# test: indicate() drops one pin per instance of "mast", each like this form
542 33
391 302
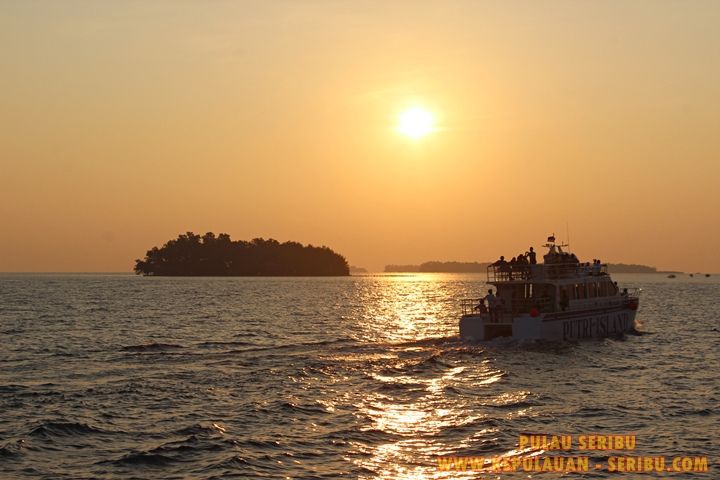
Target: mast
567 232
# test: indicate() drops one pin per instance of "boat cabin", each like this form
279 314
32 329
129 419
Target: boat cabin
560 283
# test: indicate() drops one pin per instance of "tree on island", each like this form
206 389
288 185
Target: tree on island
210 255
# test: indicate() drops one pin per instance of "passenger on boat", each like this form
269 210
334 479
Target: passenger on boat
597 267
480 307
530 255
502 266
492 303
523 266
512 266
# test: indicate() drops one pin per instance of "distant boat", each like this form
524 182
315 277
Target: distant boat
672 275
707 274
692 275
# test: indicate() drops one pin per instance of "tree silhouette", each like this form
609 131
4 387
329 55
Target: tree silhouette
192 255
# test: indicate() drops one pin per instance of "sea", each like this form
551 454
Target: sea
115 376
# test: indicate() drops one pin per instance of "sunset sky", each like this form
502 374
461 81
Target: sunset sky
123 124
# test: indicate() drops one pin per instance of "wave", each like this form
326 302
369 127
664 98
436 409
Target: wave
236 343
235 461
453 340
144 458
12 450
262 444
365 435
513 405
592 412
200 429
688 411
12 388
309 409
399 386
151 347
178 451
292 346
59 429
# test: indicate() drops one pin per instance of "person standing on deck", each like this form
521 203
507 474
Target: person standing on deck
492 304
523 266
532 258
512 267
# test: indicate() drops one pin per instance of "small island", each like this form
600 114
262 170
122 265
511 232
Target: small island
210 255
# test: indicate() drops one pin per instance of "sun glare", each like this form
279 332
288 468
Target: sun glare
415 122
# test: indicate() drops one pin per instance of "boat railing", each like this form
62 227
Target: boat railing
543 271
507 272
472 306
476 306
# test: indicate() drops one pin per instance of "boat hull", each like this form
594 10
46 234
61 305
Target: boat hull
558 326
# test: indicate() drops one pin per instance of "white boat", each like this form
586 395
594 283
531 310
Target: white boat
560 299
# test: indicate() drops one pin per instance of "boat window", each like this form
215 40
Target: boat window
579 290
592 290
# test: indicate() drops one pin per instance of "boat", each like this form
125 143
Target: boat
672 275
560 299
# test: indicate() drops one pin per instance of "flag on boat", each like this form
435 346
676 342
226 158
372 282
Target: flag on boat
551 238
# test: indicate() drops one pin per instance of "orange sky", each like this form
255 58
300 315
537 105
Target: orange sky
123 124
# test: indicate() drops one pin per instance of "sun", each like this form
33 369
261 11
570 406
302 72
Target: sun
415 122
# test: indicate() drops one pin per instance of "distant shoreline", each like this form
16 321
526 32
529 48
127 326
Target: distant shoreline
481 267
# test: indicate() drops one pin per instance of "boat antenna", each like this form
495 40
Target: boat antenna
567 232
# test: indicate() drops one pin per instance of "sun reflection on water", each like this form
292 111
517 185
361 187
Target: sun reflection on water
415 422
417 410
406 308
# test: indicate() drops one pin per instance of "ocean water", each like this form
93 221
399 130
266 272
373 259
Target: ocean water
117 376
